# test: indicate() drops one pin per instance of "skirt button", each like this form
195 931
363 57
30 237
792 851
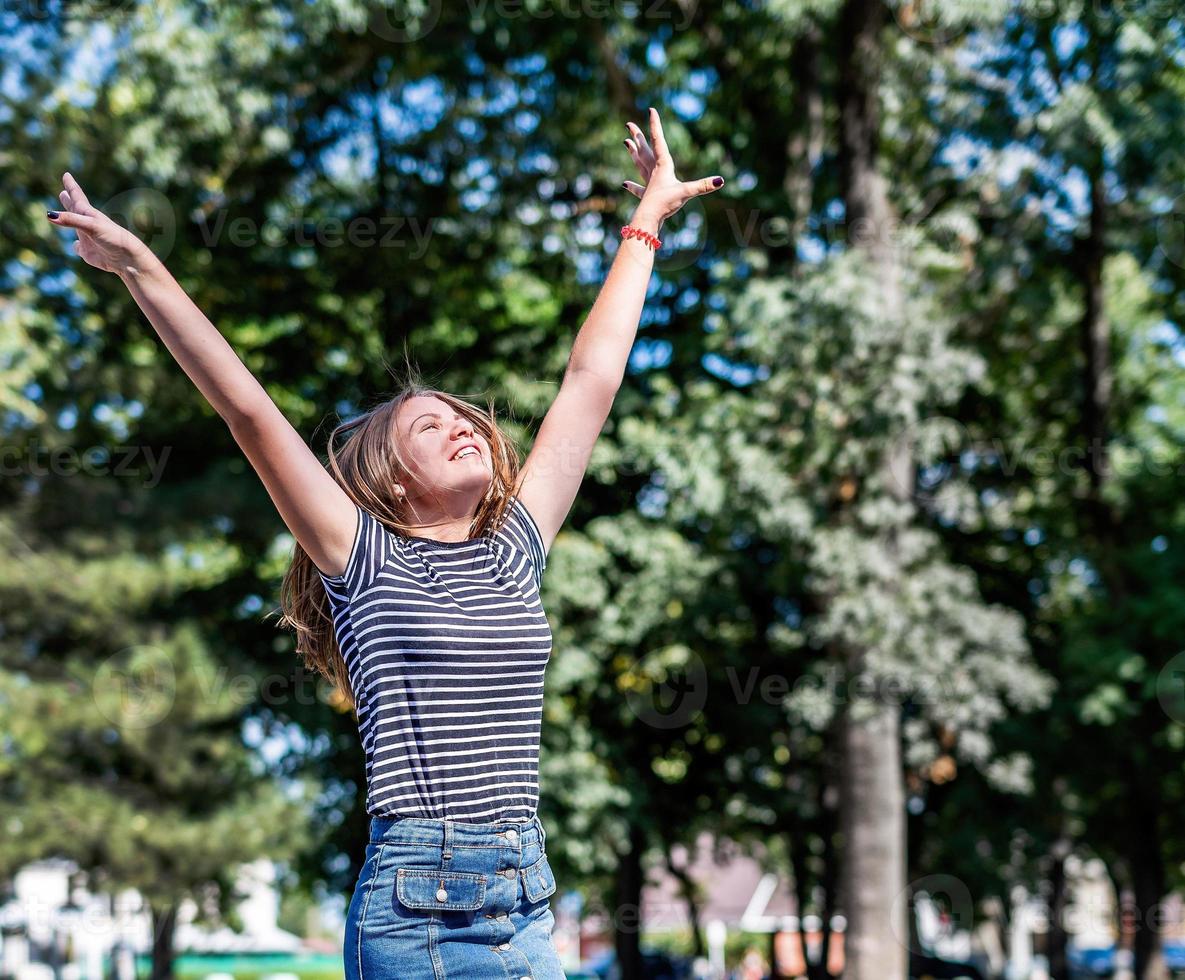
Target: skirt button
512 836
510 872
504 947
441 895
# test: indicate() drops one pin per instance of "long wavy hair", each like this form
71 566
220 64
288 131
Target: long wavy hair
367 464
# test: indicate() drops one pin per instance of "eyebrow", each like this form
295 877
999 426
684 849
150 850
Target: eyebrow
424 415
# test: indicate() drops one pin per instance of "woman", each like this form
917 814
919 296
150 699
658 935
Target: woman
415 589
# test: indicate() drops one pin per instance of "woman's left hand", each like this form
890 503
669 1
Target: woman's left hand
663 193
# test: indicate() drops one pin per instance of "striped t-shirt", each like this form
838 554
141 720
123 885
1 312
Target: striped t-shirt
446 643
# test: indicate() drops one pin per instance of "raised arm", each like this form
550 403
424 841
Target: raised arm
555 467
316 510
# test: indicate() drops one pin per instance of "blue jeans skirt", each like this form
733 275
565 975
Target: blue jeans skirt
445 900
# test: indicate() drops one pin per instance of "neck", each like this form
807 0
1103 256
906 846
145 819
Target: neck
442 519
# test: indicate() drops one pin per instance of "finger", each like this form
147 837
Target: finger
644 168
705 186
82 204
656 134
640 138
635 189
70 219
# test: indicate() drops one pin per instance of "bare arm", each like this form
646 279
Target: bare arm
555 466
320 515
563 446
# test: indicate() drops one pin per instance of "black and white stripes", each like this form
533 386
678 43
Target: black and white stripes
446 644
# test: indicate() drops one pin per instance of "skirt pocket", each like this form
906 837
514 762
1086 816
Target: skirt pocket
429 890
538 880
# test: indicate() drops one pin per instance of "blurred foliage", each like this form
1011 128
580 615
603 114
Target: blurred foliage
338 197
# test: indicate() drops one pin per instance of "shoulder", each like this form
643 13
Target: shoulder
373 546
520 530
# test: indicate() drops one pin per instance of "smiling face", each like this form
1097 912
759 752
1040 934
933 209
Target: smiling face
444 453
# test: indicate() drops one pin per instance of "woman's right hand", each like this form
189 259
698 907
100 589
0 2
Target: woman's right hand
101 242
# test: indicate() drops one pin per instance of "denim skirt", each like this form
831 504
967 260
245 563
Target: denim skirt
445 900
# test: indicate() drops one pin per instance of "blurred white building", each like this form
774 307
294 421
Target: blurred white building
52 921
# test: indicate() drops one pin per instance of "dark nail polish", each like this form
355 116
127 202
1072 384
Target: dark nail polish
717 181
52 214
626 144
625 186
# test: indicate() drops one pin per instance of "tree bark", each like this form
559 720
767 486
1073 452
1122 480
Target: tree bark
1144 853
823 826
689 888
1097 381
164 924
630 874
1148 886
621 90
1058 968
872 811
1098 375
872 817
804 145
818 970
829 793
866 201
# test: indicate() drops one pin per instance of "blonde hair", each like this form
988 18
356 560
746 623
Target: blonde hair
367 466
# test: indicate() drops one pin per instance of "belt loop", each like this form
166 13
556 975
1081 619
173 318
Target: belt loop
542 835
447 853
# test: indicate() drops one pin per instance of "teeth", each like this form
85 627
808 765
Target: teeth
467 451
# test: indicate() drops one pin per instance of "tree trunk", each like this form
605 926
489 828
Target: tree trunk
688 887
164 924
867 209
1097 384
1056 937
1148 886
798 849
872 812
1095 338
804 145
1145 856
622 93
629 906
873 821
828 828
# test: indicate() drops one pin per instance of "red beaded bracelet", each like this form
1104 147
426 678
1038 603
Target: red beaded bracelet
629 231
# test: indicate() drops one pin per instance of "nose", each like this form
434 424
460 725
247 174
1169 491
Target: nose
462 427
